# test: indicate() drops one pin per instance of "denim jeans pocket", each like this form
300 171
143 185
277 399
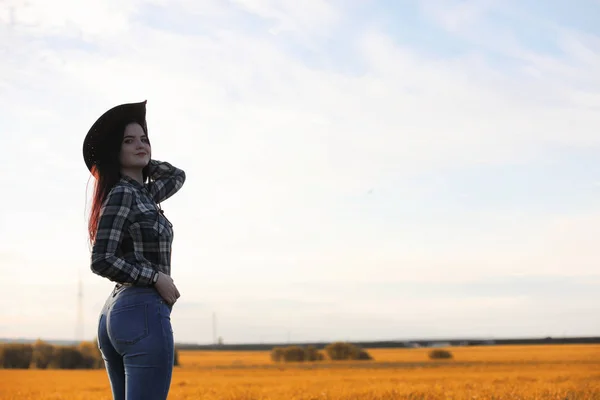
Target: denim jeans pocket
165 316
129 324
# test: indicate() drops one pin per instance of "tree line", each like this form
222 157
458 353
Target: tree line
335 351
43 355
86 355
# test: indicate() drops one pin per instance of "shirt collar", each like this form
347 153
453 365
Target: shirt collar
132 181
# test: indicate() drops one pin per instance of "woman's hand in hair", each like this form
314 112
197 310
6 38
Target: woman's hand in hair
166 288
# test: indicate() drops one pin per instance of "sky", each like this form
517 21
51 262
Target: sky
356 170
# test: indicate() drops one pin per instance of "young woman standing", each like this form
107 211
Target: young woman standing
131 241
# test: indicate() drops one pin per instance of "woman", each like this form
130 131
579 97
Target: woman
132 240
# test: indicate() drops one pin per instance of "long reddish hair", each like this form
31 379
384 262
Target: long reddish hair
105 181
107 172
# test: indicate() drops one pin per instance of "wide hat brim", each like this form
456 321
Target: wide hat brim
112 122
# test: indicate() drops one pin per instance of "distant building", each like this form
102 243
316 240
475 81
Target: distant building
439 344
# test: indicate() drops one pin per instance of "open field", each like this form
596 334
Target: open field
565 372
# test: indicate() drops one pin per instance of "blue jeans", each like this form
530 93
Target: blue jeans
135 338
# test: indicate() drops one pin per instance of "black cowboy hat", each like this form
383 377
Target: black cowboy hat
109 127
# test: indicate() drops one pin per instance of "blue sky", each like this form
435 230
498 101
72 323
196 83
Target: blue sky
356 170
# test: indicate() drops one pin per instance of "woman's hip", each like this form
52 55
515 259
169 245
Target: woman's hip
136 314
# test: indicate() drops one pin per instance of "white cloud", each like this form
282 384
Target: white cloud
67 17
289 15
455 15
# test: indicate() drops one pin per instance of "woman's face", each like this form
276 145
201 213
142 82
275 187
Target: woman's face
135 148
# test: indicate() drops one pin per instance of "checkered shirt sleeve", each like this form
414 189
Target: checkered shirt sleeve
166 180
115 218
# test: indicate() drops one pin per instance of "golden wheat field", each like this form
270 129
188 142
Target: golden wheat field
557 372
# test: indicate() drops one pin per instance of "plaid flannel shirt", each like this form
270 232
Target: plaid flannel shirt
133 240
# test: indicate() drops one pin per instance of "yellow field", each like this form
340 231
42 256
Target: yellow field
484 373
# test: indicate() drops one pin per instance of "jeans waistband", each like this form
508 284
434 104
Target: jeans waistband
125 293
123 290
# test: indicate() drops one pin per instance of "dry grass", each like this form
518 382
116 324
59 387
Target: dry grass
484 373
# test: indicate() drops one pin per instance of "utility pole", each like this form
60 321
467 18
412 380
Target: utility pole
80 322
214 325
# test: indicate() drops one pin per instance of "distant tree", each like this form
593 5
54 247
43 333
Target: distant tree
176 359
277 354
364 355
296 354
67 357
16 355
91 356
311 353
346 351
293 354
440 354
42 354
